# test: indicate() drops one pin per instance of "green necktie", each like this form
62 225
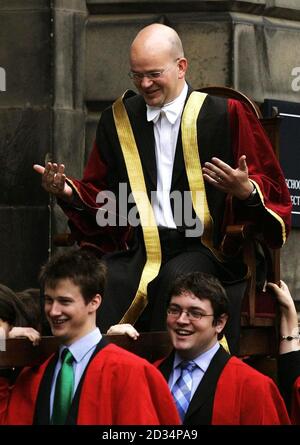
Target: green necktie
63 389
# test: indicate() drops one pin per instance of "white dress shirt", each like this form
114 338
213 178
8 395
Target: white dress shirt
82 351
166 121
202 362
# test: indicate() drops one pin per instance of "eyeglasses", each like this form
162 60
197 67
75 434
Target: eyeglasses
152 75
192 314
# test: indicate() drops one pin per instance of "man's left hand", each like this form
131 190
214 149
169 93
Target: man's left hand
227 179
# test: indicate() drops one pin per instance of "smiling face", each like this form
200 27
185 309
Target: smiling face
158 48
69 316
193 337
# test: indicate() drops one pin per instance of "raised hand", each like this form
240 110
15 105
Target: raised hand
54 180
289 331
282 294
227 179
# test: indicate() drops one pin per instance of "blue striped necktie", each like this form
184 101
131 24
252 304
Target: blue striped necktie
63 389
182 388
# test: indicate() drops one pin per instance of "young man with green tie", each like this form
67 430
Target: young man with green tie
88 382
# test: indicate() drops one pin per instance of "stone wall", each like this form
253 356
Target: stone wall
66 60
25 138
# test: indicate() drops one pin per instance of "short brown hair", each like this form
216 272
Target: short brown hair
205 287
80 266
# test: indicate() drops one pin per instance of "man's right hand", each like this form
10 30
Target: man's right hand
30 333
122 329
54 180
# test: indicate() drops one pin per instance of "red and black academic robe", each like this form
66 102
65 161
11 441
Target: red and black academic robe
118 388
227 129
232 393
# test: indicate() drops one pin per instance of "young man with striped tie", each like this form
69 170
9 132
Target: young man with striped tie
208 385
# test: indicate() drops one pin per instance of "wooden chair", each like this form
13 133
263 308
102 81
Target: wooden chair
19 352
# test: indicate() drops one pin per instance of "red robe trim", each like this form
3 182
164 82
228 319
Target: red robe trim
248 137
244 396
119 388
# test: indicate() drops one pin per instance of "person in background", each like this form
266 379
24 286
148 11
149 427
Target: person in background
289 350
153 203
19 318
87 382
33 300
